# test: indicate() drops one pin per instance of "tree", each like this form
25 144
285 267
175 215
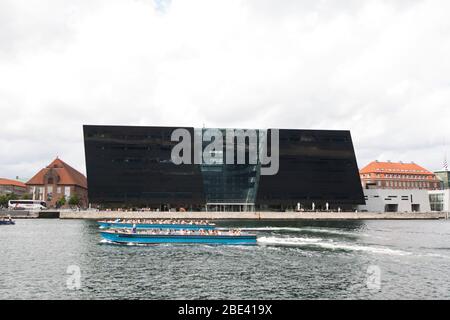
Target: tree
5 198
61 202
74 200
27 196
3 201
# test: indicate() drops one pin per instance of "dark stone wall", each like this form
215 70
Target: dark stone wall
130 166
315 166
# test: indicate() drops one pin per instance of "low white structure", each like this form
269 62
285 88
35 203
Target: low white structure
396 200
440 200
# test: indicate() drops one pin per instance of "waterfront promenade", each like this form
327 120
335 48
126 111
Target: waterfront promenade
258 215
251 215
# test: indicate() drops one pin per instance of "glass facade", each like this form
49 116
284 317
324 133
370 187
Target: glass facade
444 176
229 186
437 201
132 166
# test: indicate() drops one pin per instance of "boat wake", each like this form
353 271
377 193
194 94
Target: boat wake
328 244
311 230
105 241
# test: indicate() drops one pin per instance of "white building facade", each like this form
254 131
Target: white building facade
396 200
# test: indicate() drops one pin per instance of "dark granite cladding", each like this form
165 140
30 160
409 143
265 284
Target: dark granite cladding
130 166
315 166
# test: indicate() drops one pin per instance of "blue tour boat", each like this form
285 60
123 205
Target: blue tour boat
143 224
188 237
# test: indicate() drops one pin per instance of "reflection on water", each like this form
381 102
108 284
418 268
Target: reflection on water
293 260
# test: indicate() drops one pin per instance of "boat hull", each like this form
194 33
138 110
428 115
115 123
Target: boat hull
118 225
160 238
7 223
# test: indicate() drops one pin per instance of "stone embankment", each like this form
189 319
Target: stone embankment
97 215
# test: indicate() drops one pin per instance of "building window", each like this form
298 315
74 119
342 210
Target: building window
58 190
67 192
437 202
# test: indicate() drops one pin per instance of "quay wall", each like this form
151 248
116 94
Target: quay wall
97 215
19 214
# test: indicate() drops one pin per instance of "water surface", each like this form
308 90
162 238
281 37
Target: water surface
293 260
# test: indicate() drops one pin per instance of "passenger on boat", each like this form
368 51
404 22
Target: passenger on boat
134 229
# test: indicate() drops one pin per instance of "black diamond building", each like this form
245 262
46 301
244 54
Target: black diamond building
129 166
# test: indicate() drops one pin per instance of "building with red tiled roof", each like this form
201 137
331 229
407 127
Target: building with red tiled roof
397 175
58 180
8 186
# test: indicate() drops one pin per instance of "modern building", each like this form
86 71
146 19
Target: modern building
397 175
133 167
396 200
440 200
8 186
444 177
56 181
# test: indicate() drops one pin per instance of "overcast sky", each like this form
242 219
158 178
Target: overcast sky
378 68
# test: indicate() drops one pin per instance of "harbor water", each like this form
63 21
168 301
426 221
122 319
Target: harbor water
66 259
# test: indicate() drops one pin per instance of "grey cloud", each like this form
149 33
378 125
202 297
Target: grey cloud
378 68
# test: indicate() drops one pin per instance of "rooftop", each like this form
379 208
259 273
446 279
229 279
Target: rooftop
66 175
9 182
394 167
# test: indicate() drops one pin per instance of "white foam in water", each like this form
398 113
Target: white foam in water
333 231
437 255
272 229
317 230
105 241
328 245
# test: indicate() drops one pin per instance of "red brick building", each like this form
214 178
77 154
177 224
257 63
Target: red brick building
397 175
8 186
58 180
